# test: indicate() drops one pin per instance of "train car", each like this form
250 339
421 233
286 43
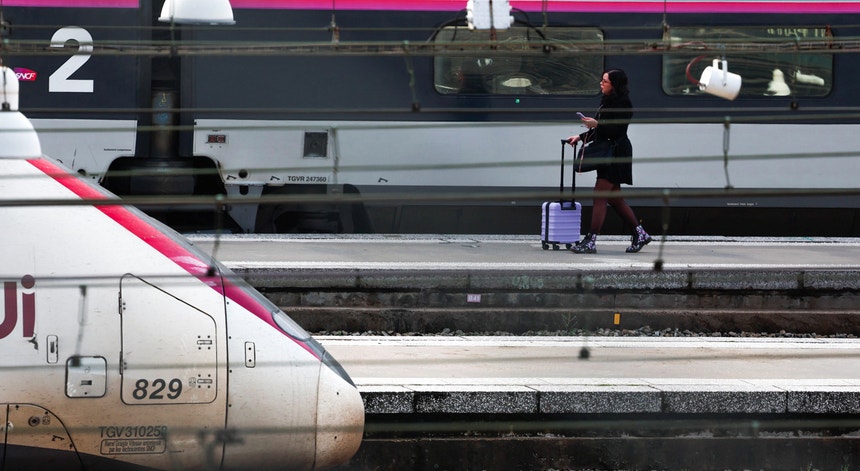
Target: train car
122 347
376 116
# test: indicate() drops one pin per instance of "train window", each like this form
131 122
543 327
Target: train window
528 74
289 326
783 72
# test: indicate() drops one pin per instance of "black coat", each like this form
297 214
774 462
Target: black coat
613 117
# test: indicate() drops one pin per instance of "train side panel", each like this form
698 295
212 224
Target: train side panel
303 127
378 125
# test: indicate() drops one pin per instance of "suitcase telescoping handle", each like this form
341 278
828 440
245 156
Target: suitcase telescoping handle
573 173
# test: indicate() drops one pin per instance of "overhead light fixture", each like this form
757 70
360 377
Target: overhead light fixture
8 89
718 81
489 14
18 138
777 86
211 12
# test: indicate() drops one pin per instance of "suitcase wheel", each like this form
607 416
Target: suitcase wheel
568 246
544 245
555 246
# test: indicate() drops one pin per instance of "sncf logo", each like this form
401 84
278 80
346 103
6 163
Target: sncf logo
25 75
10 304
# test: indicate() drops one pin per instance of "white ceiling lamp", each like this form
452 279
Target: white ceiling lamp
718 81
18 138
212 12
489 14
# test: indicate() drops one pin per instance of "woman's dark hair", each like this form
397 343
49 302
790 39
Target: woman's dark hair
618 79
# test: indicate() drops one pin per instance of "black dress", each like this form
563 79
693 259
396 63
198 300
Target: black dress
613 117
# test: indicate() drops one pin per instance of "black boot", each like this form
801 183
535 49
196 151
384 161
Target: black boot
586 245
640 239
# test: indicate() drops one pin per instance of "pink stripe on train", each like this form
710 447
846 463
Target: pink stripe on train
609 6
73 3
580 6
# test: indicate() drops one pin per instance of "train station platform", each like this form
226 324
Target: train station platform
510 284
640 375
799 286
419 252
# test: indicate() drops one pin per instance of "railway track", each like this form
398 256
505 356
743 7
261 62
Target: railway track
624 304
630 321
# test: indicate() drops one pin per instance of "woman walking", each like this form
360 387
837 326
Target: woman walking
611 123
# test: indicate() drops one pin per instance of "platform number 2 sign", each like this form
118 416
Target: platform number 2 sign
59 81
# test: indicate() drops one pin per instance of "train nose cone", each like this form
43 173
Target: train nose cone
340 420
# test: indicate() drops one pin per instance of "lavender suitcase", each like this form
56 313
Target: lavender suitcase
561 220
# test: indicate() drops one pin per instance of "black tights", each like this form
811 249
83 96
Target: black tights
598 214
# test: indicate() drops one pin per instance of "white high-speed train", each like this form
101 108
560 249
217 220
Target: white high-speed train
123 347
373 115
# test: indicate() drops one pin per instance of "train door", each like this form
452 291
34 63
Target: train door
170 357
168 348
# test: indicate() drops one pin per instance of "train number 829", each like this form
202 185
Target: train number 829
158 390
